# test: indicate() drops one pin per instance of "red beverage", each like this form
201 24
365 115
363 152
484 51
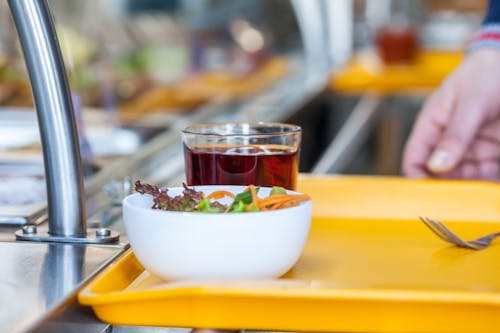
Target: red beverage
397 44
270 165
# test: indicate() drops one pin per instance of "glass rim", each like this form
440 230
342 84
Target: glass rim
290 128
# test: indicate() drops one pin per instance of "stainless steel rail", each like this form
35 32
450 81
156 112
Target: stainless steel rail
352 135
66 205
311 17
58 131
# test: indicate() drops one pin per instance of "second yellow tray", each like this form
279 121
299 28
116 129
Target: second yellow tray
387 273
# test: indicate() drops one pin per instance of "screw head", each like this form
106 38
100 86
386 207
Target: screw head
29 229
103 232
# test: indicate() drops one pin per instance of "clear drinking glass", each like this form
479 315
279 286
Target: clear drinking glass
242 153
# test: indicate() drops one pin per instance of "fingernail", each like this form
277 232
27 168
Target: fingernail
441 160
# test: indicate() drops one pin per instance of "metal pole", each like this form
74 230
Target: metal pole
311 18
61 152
351 136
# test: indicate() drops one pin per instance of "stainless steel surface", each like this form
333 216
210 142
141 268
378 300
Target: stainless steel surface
449 236
64 174
71 317
283 99
36 279
92 236
350 137
22 216
118 189
23 193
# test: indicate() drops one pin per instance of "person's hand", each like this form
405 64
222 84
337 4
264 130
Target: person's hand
457 133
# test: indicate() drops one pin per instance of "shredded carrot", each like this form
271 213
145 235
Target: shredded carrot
281 201
275 206
220 194
274 198
271 202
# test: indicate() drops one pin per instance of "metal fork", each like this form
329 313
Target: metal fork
449 236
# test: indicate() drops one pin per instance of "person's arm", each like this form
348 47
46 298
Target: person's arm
457 133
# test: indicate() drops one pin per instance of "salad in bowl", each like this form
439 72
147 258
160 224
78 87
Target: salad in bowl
217 231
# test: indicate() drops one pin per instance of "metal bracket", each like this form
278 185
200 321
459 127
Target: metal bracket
41 234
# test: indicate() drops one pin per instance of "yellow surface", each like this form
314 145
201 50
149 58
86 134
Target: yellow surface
373 267
366 72
394 198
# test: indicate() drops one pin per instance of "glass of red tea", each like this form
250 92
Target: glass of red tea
242 153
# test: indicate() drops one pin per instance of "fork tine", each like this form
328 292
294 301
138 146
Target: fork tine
450 236
433 228
443 232
450 233
453 237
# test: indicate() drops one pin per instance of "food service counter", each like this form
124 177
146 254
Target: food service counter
39 281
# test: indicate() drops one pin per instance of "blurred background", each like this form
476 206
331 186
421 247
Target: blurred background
353 73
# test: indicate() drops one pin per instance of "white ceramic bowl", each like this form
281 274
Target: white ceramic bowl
182 245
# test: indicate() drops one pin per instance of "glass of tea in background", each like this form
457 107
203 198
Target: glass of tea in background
397 43
239 153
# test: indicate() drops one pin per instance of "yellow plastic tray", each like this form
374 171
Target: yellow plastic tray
366 72
369 266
